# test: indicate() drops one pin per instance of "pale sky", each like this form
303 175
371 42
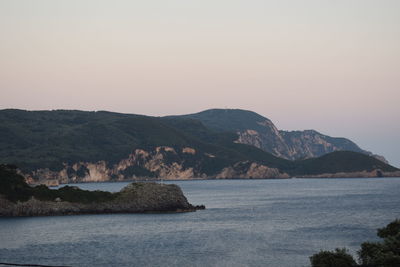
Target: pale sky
332 66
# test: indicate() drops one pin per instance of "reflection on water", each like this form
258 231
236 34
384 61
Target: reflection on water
246 223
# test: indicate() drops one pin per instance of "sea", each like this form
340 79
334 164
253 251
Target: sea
276 222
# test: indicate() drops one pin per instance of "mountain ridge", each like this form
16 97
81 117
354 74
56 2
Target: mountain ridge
259 131
74 146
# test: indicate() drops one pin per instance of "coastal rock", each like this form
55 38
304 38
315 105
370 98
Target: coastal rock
134 198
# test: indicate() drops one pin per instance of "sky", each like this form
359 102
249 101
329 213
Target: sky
332 66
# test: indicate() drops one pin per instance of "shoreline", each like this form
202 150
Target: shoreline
215 179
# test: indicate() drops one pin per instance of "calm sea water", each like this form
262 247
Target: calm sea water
246 223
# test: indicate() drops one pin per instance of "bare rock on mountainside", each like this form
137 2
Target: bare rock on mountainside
256 130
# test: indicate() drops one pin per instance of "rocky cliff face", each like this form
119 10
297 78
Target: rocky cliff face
267 138
296 145
161 163
311 144
291 145
256 130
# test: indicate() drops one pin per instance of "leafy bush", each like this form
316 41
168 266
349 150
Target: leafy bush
336 258
372 254
392 229
386 253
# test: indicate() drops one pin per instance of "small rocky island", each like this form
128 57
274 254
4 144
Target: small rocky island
17 198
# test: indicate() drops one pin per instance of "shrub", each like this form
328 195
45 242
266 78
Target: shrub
336 258
372 254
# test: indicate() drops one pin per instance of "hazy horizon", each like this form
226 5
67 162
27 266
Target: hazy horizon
331 66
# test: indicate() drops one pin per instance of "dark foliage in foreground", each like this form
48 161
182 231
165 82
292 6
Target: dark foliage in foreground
372 254
336 258
14 188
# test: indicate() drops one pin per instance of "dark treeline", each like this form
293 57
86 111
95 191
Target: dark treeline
385 253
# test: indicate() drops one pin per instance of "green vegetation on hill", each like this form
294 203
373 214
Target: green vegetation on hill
46 139
227 119
341 161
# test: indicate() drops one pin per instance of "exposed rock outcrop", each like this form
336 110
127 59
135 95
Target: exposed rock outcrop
256 130
296 145
268 139
189 150
140 164
160 163
165 163
247 170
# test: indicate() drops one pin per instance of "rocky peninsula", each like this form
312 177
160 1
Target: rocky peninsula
19 199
